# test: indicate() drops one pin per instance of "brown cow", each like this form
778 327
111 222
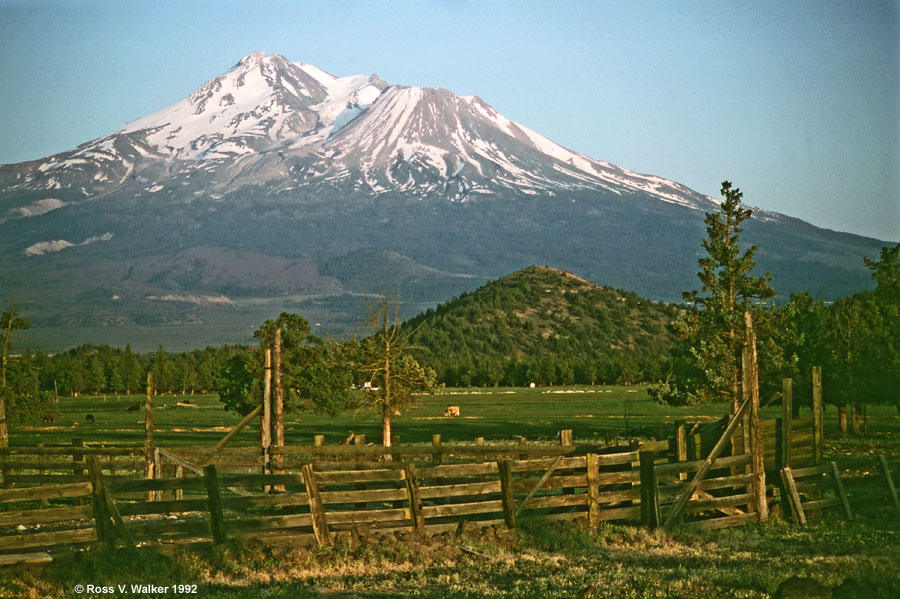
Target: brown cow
452 411
135 408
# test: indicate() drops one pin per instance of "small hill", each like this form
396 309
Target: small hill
544 325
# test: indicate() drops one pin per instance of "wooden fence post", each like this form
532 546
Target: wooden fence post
278 407
506 492
416 516
787 420
565 438
214 501
157 471
179 473
98 502
650 514
751 379
78 463
522 443
265 417
892 490
316 507
318 441
818 414
479 442
148 435
593 482
681 445
436 456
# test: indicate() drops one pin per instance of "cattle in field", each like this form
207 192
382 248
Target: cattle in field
90 418
452 411
135 408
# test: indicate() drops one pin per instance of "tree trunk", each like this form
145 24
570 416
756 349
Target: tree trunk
386 427
842 419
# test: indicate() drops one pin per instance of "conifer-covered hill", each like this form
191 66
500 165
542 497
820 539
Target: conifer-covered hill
544 325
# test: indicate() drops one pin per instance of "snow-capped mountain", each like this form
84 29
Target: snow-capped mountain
278 179
294 125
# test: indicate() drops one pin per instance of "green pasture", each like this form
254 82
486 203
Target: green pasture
496 414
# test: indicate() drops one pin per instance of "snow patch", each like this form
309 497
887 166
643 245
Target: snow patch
39 207
47 247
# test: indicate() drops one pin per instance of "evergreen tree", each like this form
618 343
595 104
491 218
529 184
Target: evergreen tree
713 330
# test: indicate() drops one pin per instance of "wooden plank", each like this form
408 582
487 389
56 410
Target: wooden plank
624 476
145 508
463 509
316 507
541 465
214 501
118 523
258 523
459 490
717 503
332 497
48 539
356 476
549 501
363 516
617 497
793 497
538 485
888 479
153 530
276 500
40 557
621 513
46 515
819 504
231 434
83 489
118 486
839 487
68 451
798 473
723 522
692 486
693 466
457 470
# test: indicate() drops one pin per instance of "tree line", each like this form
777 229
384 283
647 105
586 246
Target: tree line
856 339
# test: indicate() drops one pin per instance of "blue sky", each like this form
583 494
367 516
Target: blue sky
797 103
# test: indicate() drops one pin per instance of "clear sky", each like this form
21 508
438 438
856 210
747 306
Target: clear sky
797 103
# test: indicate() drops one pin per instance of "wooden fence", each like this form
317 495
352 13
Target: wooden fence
319 501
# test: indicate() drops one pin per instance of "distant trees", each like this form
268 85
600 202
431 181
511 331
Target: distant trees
316 375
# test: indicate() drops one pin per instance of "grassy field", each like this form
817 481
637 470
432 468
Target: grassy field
540 562
495 414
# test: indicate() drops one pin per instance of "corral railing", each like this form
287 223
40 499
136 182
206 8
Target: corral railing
319 501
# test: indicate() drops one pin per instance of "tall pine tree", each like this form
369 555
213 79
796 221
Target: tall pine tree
712 331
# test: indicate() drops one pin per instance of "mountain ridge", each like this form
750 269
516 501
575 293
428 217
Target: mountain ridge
288 162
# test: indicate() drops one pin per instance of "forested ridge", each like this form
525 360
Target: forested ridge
544 325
